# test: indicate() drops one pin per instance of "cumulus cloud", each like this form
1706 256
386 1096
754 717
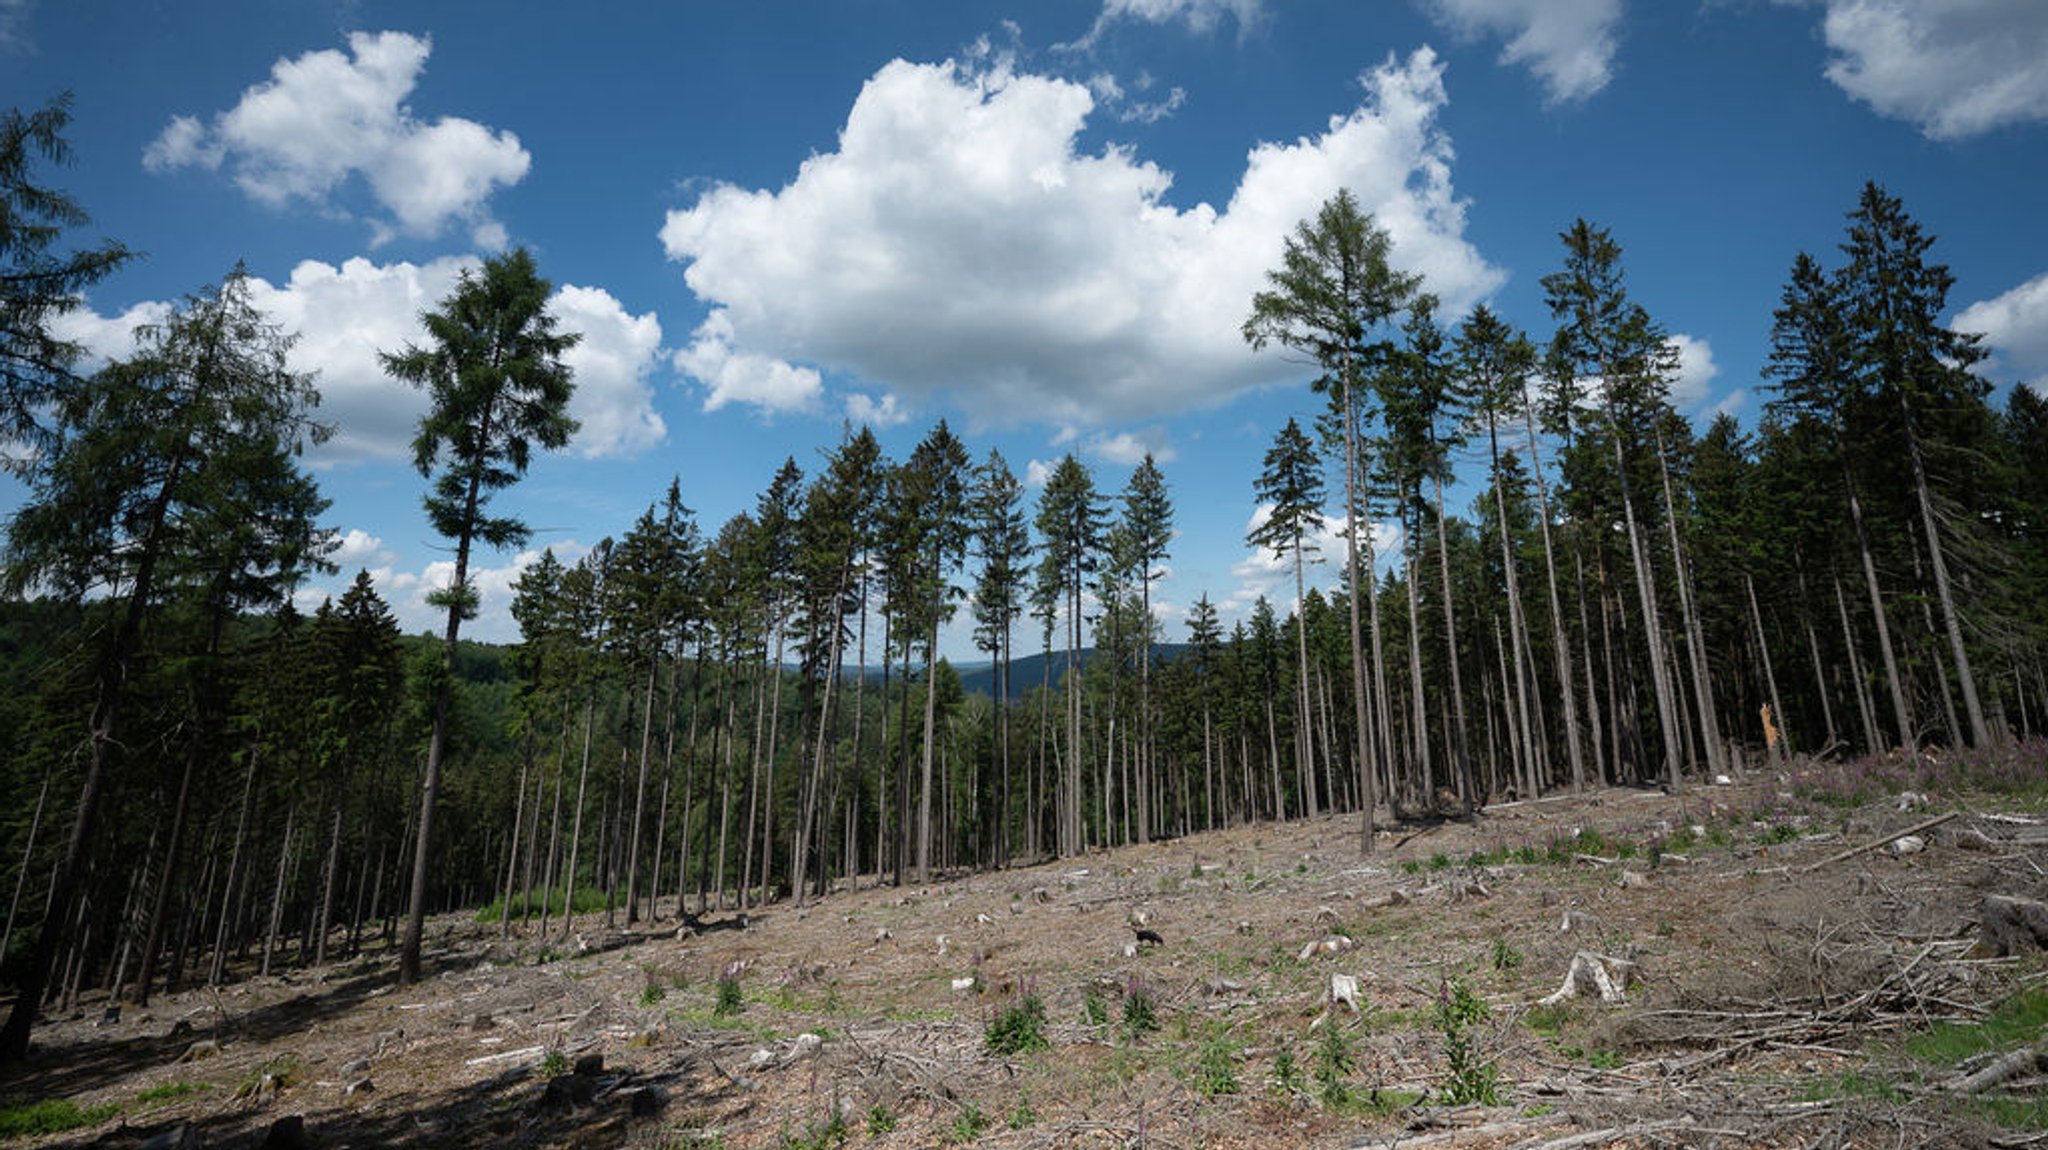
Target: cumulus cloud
958 243
357 549
406 591
2015 328
1956 68
614 400
346 315
327 116
1696 369
735 375
108 337
1568 44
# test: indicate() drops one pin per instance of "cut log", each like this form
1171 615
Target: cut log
2002 1069
2009 924
1591 973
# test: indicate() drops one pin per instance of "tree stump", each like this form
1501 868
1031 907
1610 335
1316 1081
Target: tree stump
2010 924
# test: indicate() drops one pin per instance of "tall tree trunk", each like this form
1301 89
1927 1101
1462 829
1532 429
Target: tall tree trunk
1460 759
640 787
1951 623
1909 735
1653 628
576 819
1304 741
1362 584
1695 637
1872 741
1774 748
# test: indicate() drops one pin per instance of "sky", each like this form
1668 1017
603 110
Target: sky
1040 221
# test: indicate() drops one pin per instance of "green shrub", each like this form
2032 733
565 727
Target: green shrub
1470 1079
1216 1064
1141 1014
1018 1027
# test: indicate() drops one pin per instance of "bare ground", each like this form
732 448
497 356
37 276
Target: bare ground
1774 987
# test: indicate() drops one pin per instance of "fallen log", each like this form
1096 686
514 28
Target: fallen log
1873 844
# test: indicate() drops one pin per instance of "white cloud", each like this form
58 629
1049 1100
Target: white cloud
406 591
1111 96
2015 329
1128 448
958 243
1955 67
346 315
326 116
734 375
614 401
359 549
107 338
1569 44
1696 369
883 412
1037 472
1200 16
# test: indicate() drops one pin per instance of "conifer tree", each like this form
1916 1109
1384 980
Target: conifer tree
1335 290
498 387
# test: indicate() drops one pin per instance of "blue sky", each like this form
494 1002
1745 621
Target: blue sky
1040 221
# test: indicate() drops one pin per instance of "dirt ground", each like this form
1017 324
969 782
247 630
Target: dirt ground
1771 991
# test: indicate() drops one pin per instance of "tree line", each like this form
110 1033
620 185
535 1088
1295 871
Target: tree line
201 781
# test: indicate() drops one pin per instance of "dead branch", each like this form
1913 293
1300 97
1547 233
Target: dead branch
1873 844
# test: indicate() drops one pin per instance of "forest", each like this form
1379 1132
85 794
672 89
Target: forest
199 780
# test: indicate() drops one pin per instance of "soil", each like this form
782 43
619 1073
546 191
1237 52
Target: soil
1771 989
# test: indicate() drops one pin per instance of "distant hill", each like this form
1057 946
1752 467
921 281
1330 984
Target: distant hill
1028 671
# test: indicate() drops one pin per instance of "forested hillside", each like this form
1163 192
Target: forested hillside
1565 584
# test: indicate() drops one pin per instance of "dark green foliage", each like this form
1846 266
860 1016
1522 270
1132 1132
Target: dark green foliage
41 283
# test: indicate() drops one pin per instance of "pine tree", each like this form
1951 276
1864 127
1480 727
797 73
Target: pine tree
147 462
37 283
1147 528
1291 484
498 387
1334 291
1071 535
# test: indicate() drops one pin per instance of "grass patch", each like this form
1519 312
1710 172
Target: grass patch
171 1091
588 900
50 1116
2017 1020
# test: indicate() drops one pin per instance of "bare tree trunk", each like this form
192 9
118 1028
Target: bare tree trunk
576 820
1763 652
1461 759
1362 585
1653 629
1304 741
1695 636
1872 742
640 789
1951 623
